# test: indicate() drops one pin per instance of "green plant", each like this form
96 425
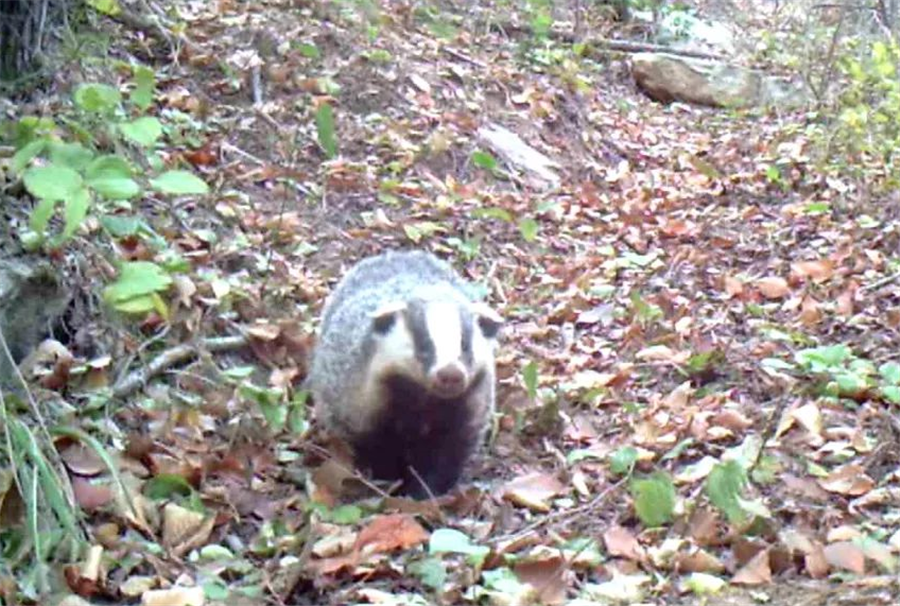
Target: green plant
88 157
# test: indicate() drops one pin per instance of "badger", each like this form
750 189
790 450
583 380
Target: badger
403 369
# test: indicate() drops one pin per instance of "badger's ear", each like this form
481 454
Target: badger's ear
488 320
384 317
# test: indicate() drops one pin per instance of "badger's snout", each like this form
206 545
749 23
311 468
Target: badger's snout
449 380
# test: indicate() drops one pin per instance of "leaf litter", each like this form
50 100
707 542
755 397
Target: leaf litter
651 287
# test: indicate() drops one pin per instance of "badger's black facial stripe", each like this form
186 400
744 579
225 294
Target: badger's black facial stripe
465 320
422 341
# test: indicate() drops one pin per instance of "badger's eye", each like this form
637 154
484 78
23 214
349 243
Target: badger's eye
489 326
382 324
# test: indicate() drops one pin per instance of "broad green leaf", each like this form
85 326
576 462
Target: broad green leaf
28 153
485 160
51 182
75 210
449 540
325 130
528 227
72 155
622 461
654 499
431 571
120 226
309 50
166 485
179 183
890 372
140 304
891 393
821 359
40 216
702 583
136 279
97 98
115 188
724 485
144 84
346 514
502 580
144 131
109 165
109 8
492 213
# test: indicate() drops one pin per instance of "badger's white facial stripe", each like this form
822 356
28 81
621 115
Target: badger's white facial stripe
444 326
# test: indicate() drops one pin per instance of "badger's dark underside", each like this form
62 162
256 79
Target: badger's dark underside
417 430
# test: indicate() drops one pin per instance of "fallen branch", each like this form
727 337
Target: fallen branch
180 353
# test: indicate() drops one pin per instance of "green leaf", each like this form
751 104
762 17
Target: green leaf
108 165
97 98
485 160
654 499
325 129
137 279
120 226
28 153
40 216
530 378
166 485
109 8
702 583
724 485
115 188
51 182
492 213
308 50
144 131
141 304
622 461
179 183
891 393
449 540
431 572
75 210
144 85
528 227
346 514
72 155
890 372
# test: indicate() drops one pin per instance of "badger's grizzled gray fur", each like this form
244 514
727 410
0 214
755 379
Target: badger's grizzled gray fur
404 369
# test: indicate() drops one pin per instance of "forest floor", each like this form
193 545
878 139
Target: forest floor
672 307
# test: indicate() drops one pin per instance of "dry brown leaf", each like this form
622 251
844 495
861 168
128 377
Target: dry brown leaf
732 419
817 271
547 577
175 596
773 287
622 543
810 313
733 286
809 416
677 399
137 585
699 560
757 571
847 556
533 490
848 479
390 532
816 563
82 460
91 494
184 529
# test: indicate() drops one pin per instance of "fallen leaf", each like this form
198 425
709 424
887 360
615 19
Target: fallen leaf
533 490
849 479
733 286
621 542
547 577
175 596
773 287
810 418
390 532
847 556
755 572
817 271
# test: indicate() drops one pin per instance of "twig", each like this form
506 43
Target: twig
462 57
881 282
138 378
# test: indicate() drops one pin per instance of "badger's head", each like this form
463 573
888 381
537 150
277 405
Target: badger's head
442 344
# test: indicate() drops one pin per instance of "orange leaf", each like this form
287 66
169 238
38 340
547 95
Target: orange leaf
755 572
846 555
849 480
773 287
733 286
817 271
390 532
620 542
